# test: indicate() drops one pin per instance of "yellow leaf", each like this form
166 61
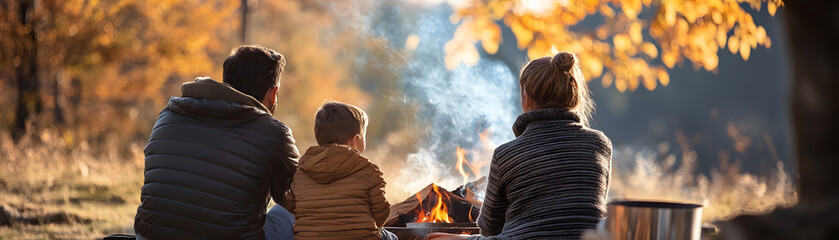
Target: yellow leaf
568 19
745 50
523 35
721 36
412 42
104 39
460 50
682 25
471 56
689 15
602 32
491 37
499 9
772 8
656 29
631 8
606 11
593 66
663 77
710 62
731 19
669 15
733 44
633 84
539 48
649 83
760 34
669 58
490 46
591 5
621 42
607 79
716 17
635 33
620 84
650 50
451 62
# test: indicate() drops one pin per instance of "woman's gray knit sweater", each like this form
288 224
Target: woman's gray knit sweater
548 183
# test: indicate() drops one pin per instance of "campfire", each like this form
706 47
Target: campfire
438 214
436 209
434 204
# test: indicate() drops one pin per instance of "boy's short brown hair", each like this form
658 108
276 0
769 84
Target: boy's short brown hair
338 122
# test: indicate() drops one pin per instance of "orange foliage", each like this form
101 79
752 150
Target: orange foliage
109 58
617 50
319 53
115 63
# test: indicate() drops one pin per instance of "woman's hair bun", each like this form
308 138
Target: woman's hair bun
563 61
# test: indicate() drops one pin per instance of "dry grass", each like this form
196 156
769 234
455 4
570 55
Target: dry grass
75 190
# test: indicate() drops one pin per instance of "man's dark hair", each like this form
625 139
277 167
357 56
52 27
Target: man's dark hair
253 69
338 122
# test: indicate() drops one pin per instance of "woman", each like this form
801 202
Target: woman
551 181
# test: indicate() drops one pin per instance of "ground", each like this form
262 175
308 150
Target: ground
71 190
74 190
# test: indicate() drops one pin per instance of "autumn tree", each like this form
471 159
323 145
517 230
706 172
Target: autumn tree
108 60
332 55
618 51
19 52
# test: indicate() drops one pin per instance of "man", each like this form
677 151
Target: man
216 155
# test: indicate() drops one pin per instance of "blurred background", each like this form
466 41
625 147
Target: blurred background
693 94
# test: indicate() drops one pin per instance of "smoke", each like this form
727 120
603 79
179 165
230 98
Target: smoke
454 107
474 108
724 193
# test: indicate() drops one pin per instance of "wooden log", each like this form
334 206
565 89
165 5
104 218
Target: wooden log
461 207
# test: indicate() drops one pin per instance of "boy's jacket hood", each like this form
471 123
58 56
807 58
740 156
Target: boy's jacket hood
325 164
217 103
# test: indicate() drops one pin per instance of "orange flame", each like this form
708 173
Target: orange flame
438 214
461 159
480 159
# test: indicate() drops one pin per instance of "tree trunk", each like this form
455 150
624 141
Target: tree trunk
813 30
58 97
28 99
814 35
244 20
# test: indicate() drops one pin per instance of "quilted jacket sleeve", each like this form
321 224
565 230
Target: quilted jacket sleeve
283 165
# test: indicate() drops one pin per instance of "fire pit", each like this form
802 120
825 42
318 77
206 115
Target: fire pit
435 209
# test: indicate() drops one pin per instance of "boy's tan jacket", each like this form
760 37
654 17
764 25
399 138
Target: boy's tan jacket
337 194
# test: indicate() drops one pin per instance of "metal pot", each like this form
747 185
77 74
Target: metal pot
653 220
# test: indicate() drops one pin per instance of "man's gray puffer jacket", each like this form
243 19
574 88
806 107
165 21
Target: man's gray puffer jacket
214 158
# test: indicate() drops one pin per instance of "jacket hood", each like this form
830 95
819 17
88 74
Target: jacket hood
325 164
216 103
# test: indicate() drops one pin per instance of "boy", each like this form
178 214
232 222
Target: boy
337 193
